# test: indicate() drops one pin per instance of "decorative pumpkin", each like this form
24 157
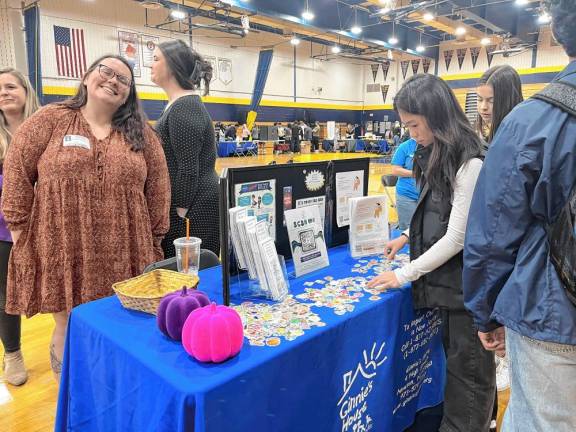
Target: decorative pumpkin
213 333
175 307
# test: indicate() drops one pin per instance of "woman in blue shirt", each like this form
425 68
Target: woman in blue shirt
406 190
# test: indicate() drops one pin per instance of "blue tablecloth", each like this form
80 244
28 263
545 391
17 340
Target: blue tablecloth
370 369
228 148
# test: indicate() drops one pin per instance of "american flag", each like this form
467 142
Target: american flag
70 52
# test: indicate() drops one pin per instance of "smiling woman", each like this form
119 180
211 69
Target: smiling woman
84 179
18 101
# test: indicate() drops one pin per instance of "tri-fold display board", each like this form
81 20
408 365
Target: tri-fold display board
267 191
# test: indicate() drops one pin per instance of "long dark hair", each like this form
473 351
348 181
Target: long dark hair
188 67
507 87
455 141
129 119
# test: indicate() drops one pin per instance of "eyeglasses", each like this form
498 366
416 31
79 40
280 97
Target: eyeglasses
109 73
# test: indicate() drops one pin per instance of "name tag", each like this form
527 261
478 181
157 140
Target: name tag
76 141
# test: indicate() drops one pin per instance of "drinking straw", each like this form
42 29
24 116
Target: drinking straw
185 258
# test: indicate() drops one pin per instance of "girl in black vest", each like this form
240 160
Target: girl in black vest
446 166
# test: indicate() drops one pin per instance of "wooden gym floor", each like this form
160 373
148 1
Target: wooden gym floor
32 407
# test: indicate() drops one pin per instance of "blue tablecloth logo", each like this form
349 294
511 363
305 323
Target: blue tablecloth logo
354 406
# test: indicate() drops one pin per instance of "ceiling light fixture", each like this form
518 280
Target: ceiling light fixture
521 2
295 41
420 48
393 40
485 41
428 16
356 29
336 49
178 14
460 31
544 18
308 15
384 11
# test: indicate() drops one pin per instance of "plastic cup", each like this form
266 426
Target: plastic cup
188 255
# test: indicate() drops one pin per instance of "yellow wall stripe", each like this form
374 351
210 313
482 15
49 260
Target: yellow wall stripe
531 71
69 91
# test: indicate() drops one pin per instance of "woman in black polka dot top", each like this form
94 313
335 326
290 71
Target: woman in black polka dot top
188 139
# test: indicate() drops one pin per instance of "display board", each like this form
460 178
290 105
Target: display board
267 191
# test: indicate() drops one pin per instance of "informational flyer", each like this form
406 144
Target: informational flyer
306 235
349 184
259 198
369 231
318 201
235 214
149 44
129 45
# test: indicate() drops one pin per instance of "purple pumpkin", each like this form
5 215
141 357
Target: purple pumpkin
174 309
213 333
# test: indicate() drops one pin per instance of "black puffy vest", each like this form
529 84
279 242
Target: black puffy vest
443 286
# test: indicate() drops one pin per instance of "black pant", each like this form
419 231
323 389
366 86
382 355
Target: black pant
295 145
9 324
315 143
470 381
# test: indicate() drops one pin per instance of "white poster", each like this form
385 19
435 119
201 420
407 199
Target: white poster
368 225
129 44
330 130
318 201
149 44
225 70
306 235
349 184
259 198
212 61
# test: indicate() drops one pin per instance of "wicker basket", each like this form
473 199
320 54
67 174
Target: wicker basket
143 293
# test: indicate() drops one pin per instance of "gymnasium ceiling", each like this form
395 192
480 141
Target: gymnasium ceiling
425 23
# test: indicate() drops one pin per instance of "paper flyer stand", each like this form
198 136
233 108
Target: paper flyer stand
293 185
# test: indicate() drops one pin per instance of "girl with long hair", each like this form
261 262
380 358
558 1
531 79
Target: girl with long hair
18 101
86 197
447 162
189 145
499 90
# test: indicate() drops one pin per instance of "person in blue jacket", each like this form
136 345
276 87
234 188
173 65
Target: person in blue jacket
406 190
509 281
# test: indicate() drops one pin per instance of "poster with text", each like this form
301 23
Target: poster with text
318 201
259 198
149 44
349 184
306 235
129 44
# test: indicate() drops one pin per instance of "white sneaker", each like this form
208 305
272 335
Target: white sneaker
493 426
502 373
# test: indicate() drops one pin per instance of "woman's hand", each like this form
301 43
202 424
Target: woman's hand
181 212
393 246
384 281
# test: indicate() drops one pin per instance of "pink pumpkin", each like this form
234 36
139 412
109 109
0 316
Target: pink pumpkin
175 307
213 333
